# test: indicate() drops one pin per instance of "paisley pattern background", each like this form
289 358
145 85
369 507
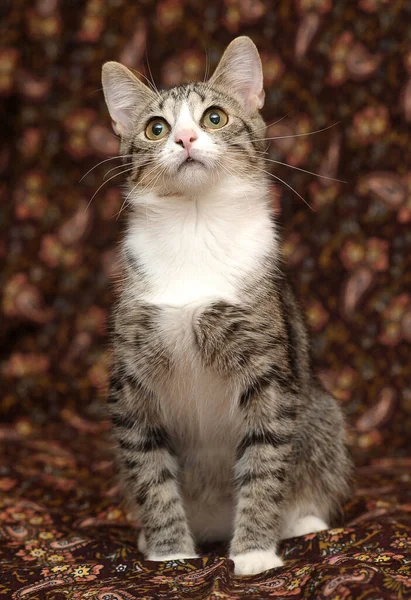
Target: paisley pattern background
340 67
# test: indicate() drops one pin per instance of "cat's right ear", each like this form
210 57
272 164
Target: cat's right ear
123 93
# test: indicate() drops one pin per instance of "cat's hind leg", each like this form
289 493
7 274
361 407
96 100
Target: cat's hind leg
142 542
303 519
303 526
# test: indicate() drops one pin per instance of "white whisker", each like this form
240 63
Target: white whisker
290 187
104 161
150 85
278 162
118 167
275 122
124 204
284 137
283 182
151 75
103 184
207 65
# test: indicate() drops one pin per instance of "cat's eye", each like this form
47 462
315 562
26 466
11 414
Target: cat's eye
157 129
214 118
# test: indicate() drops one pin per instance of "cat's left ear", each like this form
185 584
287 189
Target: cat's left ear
241 73
124 93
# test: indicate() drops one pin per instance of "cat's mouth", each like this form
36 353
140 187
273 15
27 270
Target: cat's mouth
190 162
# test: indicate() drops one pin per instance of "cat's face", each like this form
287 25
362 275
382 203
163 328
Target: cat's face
194 135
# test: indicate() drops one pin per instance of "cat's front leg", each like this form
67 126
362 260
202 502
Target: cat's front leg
149 470
263 473
233 338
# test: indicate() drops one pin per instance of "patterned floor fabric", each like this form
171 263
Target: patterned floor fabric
338 95
64 535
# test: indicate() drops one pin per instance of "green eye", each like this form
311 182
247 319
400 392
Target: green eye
157 129
214 118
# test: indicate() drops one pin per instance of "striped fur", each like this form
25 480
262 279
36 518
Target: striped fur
223 430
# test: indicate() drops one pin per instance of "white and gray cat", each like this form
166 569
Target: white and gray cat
223 430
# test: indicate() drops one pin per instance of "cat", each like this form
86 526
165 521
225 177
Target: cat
223 431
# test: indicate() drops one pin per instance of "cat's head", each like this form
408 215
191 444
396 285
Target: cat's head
194 135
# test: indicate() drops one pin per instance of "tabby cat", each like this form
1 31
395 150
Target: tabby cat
223 430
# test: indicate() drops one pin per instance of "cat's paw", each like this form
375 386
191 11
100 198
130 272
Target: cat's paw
168 557
308 524
255 561
142 546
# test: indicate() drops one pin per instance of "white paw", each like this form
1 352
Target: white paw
307 524
142 542
168 557
142 546
255 561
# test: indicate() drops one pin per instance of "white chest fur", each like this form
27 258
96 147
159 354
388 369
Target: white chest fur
195 252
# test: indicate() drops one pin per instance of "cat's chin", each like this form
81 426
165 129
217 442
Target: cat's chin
192 175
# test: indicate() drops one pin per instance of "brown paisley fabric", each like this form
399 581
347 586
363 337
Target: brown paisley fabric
340 67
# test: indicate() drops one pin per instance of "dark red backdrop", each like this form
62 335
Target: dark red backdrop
340 64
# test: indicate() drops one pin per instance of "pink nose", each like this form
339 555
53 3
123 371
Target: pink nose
185 138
